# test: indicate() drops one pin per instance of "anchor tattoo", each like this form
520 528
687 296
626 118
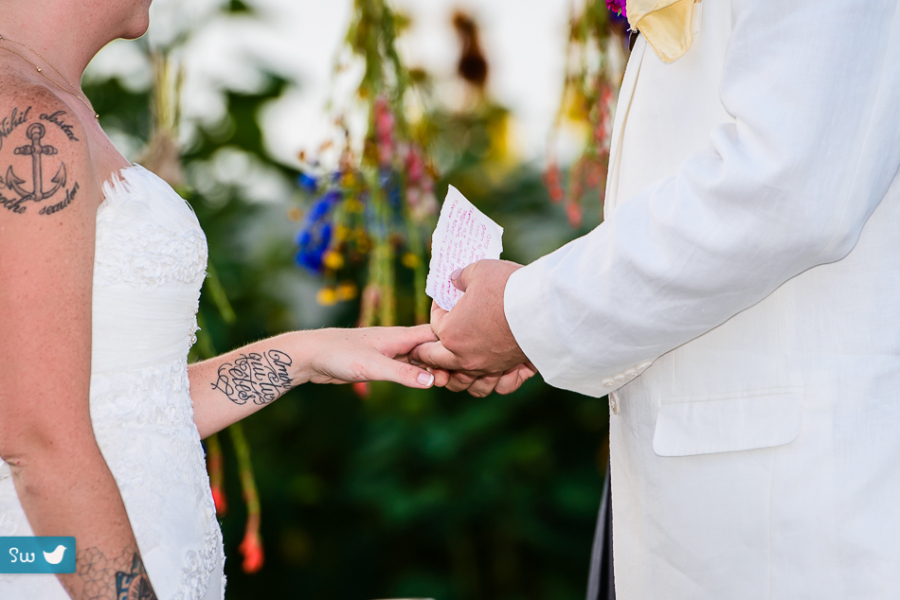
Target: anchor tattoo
37 151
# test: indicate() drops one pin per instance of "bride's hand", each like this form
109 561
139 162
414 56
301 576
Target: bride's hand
369 354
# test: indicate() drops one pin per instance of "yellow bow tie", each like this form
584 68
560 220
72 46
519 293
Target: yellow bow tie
665 23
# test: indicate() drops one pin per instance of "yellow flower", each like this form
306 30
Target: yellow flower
342 233
295 214
347 291
333 260
352 205
326 296
410 260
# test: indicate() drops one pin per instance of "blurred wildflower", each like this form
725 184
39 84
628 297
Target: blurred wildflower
573 213
333 260
251 547
588 99
307 183
618 7
346 291
384 131
362 389
214 465
410 260
553 181
326 296
378 204
314 238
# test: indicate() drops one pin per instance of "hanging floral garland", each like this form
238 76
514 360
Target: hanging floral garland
371 214
595 56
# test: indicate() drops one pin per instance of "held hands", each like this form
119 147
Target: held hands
369 354
476 350
469 348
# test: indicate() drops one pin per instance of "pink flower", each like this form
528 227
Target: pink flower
384 130
573 212
617 6
362 389
552 180
415 166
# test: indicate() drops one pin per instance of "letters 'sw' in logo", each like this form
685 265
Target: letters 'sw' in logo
22 554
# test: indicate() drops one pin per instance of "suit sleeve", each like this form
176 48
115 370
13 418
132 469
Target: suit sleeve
813 86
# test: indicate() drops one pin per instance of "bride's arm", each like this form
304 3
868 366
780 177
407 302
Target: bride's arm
227 388
46 265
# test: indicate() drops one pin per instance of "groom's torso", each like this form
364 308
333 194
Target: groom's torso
759 460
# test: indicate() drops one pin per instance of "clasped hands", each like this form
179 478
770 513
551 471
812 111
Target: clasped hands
475 350
469 348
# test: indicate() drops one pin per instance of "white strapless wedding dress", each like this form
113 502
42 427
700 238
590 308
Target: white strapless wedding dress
150 263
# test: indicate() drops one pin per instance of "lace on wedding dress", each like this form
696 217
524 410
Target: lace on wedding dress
150 264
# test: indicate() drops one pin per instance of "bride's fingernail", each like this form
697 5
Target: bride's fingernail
455 275
425 379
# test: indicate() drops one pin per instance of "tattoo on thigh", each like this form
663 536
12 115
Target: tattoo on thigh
17 193
120 578
260 378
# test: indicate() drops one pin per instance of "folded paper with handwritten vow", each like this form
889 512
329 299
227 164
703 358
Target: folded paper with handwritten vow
463 235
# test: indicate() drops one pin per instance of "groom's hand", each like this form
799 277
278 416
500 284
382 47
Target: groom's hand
476 345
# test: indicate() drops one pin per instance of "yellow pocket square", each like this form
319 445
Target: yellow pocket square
665 23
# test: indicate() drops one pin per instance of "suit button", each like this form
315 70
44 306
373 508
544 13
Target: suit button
631 373
620 379
644 366
608 383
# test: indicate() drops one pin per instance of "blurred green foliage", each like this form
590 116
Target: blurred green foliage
409 493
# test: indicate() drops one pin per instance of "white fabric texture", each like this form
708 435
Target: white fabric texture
149 266
741 303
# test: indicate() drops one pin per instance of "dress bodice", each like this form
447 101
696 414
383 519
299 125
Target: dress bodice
149 265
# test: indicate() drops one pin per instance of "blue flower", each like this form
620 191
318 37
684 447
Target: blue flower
314 237
310 261
307 182
318 210
303 238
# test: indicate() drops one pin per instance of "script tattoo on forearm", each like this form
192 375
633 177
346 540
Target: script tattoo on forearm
260 378
20 192
122 578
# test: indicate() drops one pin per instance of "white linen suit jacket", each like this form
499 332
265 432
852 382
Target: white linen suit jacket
741 305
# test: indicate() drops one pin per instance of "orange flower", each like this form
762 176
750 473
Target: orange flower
346 291
214 458
218 495
251 547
